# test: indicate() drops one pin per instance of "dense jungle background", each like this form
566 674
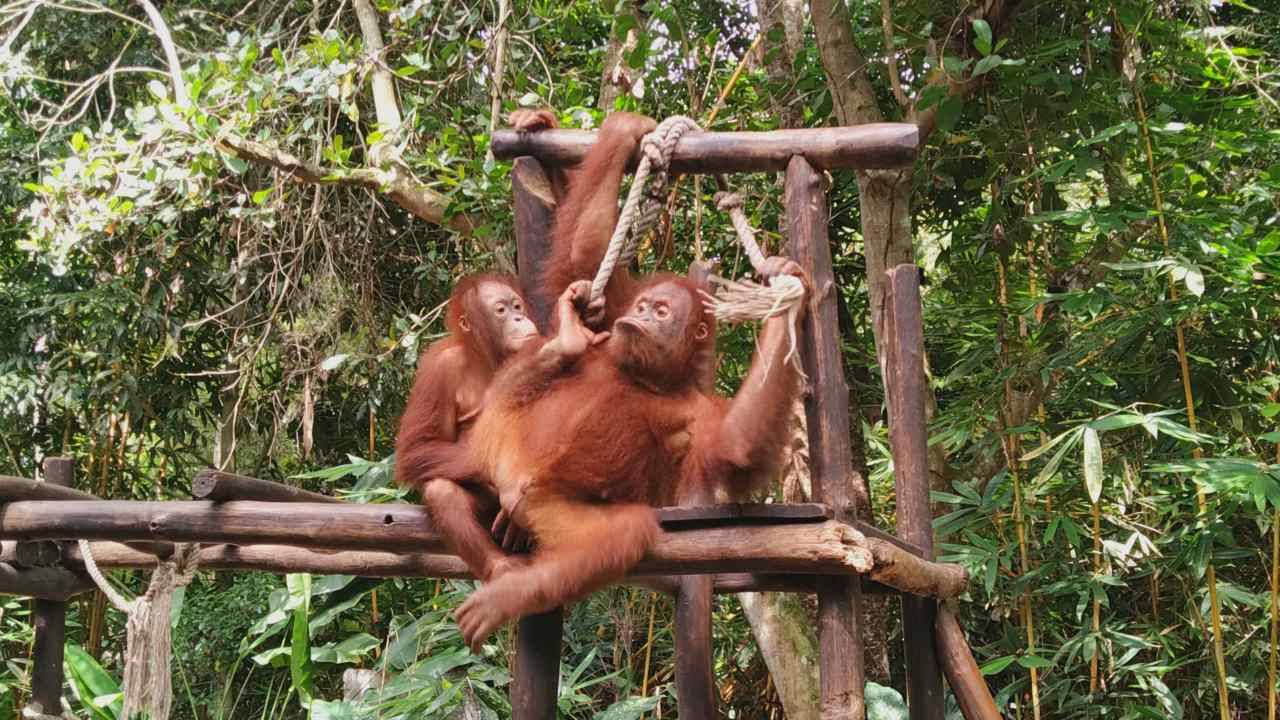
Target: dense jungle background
228 228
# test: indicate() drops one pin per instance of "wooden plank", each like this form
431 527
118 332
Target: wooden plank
535 689
219 486
905 390
875 145
840 654
535 207
676 518
971 691
49 619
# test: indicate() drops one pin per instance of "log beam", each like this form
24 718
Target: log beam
219 486
825 548
872 146
286 559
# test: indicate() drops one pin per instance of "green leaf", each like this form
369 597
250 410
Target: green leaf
949 113
92 684
235 164
262 195
995 666
884 703
987 64
1034 661
982 37
300 670
631 708
1092 464
1195 281
158 89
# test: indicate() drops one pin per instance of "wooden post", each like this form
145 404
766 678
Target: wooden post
841 663
905 390
695 681
535 206
49 619
536 684
972 693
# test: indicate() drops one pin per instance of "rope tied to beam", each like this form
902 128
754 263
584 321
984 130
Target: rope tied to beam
644 200
735 301
148 647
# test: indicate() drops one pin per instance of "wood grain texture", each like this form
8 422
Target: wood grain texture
971 691
49 617
537 665
13 489
840 653
674 518
219 486
905 389
830 547
535 207
695 682
875 145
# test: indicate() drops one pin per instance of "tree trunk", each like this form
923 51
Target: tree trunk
783 628
617 78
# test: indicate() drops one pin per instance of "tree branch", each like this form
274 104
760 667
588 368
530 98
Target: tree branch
161 30
891 54
416 198
384 89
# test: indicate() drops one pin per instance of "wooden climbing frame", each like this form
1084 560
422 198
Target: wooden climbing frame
821 548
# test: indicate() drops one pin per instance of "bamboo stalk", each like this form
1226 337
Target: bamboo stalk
1012 453
1097 605
1275 602
1211 574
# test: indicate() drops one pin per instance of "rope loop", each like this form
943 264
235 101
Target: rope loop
147 680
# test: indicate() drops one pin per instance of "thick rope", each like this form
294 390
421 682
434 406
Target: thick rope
147 675
739 301
644 199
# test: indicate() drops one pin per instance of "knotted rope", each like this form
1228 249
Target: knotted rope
742 300
644 199
147 679
735 301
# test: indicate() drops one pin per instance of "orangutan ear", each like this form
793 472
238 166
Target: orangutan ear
702 332
464 324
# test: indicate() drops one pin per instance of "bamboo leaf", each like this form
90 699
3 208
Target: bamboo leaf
1092 464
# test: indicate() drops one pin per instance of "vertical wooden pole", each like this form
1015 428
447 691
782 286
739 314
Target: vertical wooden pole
909 443
972 694
536 685
843 677
49 618
695 681
535 206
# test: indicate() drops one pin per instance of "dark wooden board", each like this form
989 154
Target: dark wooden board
679 518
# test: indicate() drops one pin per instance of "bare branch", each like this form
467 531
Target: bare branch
161 30
891 54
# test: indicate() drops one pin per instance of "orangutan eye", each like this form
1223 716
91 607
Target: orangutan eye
500 310
517 307
662 312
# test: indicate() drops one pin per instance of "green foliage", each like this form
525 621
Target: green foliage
156 288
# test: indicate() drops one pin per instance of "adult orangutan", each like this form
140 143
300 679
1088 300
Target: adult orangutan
581 433
487 324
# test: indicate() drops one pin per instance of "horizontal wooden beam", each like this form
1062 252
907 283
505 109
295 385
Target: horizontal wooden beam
285 559
827 547
876 145
222 486
45 583
14 488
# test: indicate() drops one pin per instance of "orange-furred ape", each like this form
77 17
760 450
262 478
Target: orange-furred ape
582 432
487 324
